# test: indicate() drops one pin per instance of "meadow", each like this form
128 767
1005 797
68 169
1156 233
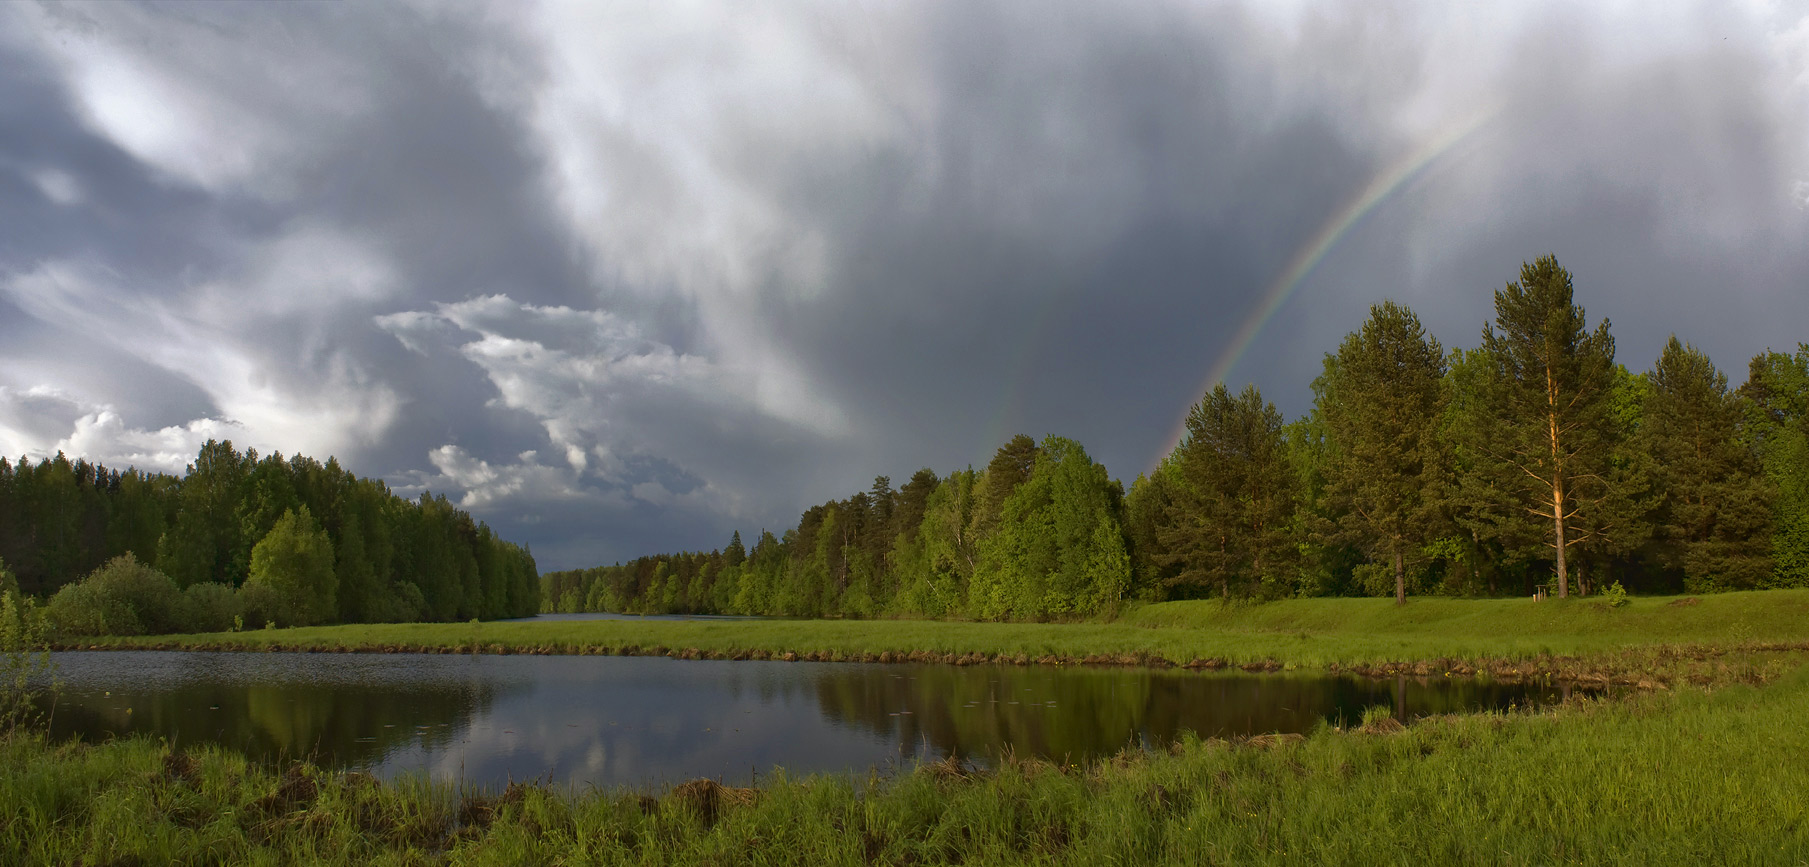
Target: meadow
1576 638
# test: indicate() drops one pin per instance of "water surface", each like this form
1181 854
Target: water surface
651 721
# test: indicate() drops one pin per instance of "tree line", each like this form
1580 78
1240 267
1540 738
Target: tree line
265 539
1534 460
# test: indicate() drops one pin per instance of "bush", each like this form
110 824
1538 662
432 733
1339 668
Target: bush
122 597
210 608
1615 596
24 657
262 605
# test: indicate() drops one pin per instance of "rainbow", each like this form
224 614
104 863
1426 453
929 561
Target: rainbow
1391 180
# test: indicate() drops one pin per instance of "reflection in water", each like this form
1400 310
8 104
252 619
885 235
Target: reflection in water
1080 714
351 711
643 721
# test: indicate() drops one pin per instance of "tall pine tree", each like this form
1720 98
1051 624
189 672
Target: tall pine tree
1547 406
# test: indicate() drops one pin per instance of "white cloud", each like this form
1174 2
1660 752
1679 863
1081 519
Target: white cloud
256 345
98 433
607 396
487 486
105 437
591 378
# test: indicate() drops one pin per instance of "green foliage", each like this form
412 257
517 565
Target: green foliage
24 657
210 608
1145 509
1381 401
1616 596
1776 398
61 520
1715 521
1057 548
1480 472
123 597
295 561
1228 523
1538 422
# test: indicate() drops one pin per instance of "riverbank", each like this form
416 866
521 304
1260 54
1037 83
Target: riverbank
1650 642
1683 776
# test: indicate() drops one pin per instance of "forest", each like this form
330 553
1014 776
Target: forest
242 541
1534 462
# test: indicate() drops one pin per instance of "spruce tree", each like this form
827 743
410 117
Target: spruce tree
1716 512
1227 523
1381 403
1776 396
736 553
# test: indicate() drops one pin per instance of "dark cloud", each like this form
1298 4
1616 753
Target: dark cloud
622 280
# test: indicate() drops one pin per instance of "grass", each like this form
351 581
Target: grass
1683 776
1505 637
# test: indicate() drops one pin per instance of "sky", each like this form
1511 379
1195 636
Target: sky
623 277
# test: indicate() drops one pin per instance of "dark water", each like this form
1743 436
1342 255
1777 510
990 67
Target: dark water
652 721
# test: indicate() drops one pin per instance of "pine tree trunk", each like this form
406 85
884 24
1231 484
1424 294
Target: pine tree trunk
1400 579
1557 478
1558 513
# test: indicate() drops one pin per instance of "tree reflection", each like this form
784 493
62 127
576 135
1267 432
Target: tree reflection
1078 714
338 725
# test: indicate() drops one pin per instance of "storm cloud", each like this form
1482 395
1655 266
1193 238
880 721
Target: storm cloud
620 278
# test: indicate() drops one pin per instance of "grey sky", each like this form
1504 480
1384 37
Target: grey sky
622 277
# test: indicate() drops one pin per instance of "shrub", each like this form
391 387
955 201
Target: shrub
209 608
122 597
1615 596
24 656
262 605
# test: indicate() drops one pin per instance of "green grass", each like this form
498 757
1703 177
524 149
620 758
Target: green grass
1303 633
1673 777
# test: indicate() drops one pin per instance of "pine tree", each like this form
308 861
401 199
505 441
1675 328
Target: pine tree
1547 406
1381 403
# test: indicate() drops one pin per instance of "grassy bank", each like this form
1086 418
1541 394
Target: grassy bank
1506 637
1667 777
